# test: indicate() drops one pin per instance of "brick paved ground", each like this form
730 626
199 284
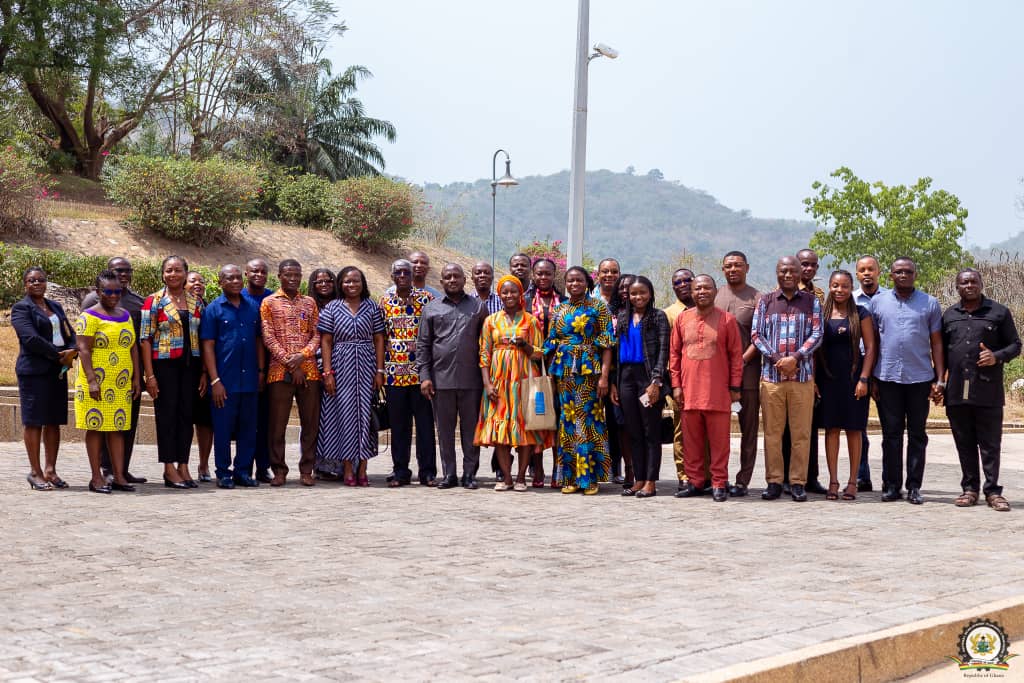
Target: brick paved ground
374 584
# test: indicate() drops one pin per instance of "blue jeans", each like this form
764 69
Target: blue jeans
237 418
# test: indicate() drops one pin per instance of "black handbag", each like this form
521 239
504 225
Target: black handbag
379 419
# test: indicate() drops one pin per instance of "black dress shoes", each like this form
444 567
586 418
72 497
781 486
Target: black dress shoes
914 497
786 489
772 492
628 492
175 484
448 482
471 484
688 490
100 489
128 488
890 494
245 481
646 494
864 486
132 479
815 487
799 493
719 495
737 490
225 483
264 477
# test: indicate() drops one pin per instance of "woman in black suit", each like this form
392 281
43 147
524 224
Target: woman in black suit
47 344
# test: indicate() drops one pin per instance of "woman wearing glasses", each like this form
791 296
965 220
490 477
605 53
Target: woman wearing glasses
47 351
108 380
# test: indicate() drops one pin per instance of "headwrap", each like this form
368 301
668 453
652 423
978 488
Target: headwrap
517 282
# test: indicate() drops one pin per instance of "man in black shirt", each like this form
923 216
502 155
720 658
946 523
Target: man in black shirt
979 336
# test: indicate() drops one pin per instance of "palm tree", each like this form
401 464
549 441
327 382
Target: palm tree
304 117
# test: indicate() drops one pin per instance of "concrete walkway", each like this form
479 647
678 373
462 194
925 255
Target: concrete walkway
336 583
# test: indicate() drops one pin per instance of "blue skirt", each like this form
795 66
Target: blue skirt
44 399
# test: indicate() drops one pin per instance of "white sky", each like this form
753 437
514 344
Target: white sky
751 101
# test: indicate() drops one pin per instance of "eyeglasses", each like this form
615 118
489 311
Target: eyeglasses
35 281
684 281
401 271
123 270
111 292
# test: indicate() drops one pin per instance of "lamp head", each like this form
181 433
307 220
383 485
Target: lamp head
507 180
606 50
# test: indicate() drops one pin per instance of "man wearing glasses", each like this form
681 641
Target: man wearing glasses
131 302
740 299
682 285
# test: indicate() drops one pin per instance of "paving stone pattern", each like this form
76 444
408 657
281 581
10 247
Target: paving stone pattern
336 583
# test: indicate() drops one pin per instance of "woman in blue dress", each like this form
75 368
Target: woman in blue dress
352 346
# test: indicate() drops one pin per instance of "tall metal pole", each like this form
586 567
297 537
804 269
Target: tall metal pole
577 174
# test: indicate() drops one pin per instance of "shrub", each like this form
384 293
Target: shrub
306 200
21 190
544 249
270 179
371 212
196 202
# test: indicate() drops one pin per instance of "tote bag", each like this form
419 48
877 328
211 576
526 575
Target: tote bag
537 395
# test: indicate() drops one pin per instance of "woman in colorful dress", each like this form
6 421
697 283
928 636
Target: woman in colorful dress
580 346
509 341
173 370
108 380
541 301
352 345
202 414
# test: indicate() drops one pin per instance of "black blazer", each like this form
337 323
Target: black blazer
38 355
656 334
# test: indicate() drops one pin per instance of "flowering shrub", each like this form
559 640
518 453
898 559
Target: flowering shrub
371 212
21 190
306 200
196 202
544 249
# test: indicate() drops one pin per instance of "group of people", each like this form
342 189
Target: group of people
439 361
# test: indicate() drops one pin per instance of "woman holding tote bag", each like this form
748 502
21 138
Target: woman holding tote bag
509 341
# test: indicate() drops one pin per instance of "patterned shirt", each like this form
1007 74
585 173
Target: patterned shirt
402 325
493 302
289 326
787 327
161 324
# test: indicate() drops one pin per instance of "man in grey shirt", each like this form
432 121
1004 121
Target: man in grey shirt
448 363
131 302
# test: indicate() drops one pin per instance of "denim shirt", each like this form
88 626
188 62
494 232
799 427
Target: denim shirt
904 331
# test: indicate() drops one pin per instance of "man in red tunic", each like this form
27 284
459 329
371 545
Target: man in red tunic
706 364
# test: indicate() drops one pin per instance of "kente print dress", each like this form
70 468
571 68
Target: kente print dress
503 422
578 334
112 341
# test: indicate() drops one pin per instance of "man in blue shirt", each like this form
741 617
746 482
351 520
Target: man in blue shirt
868 274
256 273
910 359
233 354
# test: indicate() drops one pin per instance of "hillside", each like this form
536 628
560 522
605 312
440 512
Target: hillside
643 220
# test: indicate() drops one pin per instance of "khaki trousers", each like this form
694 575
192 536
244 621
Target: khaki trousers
782 402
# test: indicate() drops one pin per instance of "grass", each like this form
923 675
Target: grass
8 355
82 211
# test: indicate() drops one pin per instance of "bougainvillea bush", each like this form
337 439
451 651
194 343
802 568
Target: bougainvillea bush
372 212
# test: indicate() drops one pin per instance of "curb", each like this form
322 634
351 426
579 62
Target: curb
886 655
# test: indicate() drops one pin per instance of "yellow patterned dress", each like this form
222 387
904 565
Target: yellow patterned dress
112 341
503 422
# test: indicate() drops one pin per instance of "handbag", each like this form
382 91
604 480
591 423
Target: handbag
537 396
380 421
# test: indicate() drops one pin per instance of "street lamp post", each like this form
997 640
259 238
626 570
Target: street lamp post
505 181
577 176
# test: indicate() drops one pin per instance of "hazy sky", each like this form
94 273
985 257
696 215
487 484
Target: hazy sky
750 101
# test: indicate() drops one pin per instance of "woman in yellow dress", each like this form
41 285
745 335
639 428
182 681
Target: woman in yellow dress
108 380
509 341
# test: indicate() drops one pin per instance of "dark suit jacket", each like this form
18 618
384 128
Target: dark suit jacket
38 355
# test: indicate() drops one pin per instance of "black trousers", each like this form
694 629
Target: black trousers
128 438
903 407
643 425
406 405
262 455
177 380
978 430
812 454
462 405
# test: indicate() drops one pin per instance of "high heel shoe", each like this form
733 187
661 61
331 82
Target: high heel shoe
36 486
350 481
122 487
364 481
191 483
175 484
99 489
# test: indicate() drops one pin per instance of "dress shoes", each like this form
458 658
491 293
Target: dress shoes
127 488
814 486
132 479
772 492
646 494
785 488
245 481
914 497
278 480
737 490
799 493
448 482
688 490
864 486
192 483
225 483
175 484
205 477
890 494
628 492
720 494
100 489
306 479
618 479
264 476
471 484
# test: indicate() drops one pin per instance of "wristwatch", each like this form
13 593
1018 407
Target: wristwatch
656 382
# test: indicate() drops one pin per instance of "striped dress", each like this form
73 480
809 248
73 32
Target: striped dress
502 422
345 432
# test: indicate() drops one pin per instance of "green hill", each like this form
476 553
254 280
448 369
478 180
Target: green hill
643 220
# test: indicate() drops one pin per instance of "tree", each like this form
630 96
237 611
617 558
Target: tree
861 218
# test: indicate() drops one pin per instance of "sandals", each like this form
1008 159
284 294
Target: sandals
57 482
966 499
997 502
501 486
519 486
833 491
851 491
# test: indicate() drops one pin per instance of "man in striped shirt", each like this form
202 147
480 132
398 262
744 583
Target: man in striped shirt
787 330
